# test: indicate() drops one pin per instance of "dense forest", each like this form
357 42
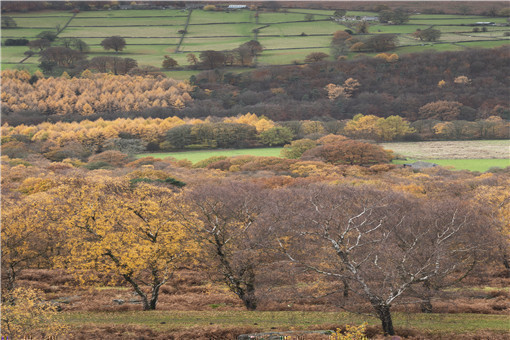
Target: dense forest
467 85
476 80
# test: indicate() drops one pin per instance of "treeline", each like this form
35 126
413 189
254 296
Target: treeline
476 79
81 140
376 236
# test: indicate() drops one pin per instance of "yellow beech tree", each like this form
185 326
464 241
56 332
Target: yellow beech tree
125 227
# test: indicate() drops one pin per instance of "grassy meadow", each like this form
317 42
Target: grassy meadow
196 156
458 155
150 30
267 320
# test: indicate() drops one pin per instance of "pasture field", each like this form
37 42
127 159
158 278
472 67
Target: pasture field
298 320
472 149
44 22
226 30
453 21
459 155
480 165
219 31
205 17
488 44
200 44
133 13
13 54
293 42
196 156
288 56
296 28
116 21
272 18
311 11
429 47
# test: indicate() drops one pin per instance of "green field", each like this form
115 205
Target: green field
293 42
115 21
195 156
296 28
282 56
222 30
458 155
166 320
480 165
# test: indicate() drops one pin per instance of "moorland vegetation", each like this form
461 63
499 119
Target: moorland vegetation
97 236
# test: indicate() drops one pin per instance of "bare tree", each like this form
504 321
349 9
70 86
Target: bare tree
225 221
379 244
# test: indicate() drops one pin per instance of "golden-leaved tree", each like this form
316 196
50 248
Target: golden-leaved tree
124 227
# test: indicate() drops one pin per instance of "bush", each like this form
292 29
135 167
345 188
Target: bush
16 42
111 157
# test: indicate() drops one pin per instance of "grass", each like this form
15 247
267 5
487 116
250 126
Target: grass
48 23
16 15
486 44
268 18
133 13
480 155
203 17
480 165
171 320
103 32
195 156
21 32
209 30
287 56
461 155
220 30
395 28
321 27
455 21
320 12
431 48
203 44
293 42
116 21
29 67
471 149
13 54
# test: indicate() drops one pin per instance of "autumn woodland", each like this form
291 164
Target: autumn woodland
104 235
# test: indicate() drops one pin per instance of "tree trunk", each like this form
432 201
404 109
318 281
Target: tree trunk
154 298
383 312
426 305
248 297
346 288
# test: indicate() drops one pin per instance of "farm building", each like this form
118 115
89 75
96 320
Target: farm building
236 7
485 23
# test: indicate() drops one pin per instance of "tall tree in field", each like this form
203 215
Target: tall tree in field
169 62
124 228
380 244
212 59
225 219
315 57
115 43
339 44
